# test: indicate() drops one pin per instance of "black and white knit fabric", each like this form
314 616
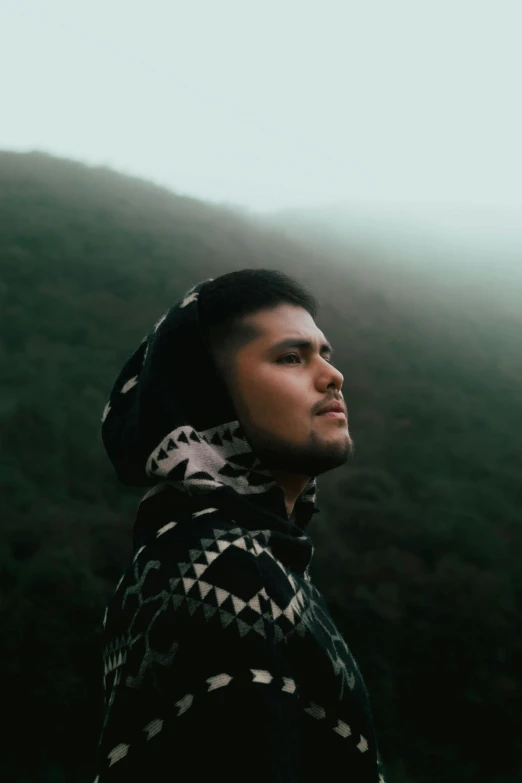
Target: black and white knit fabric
221 660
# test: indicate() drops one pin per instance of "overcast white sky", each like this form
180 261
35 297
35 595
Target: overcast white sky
276 103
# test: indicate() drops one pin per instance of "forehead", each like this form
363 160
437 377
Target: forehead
284 321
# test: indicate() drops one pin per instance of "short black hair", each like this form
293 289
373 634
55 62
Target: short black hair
226 300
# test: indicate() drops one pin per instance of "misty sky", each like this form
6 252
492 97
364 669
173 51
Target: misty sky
276 103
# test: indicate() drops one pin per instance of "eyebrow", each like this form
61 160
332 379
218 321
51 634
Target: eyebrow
297 342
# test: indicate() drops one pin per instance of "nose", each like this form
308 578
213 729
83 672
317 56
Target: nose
337 379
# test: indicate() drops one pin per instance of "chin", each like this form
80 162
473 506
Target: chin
317 454
309 461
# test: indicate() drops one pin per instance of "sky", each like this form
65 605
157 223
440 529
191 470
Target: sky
410 106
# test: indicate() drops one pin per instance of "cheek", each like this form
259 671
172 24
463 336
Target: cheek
278 397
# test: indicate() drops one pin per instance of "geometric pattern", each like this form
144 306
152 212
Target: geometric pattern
341 728
195 587
199 461
316 616
276 602
222 680
185 459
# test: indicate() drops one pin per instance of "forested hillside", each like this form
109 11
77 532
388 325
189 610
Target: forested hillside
419 543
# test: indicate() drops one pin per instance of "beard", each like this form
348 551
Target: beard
318 455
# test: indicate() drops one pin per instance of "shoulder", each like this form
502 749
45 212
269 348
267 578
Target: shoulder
208 552
210 574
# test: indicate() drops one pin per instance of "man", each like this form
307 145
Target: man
221 659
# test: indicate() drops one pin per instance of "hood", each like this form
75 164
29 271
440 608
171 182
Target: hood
170 420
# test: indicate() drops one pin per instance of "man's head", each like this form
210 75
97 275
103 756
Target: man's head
277 389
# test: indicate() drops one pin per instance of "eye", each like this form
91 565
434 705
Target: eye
289 355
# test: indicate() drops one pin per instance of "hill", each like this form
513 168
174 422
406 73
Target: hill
464 258
419 542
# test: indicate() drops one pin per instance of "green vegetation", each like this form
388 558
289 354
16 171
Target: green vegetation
419 543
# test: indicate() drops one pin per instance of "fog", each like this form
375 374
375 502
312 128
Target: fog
404 113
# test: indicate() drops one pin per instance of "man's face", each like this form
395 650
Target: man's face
277 392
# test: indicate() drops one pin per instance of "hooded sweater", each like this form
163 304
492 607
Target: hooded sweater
221 659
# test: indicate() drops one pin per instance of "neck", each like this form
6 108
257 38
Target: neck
292 484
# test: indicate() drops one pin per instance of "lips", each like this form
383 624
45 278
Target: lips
332 407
